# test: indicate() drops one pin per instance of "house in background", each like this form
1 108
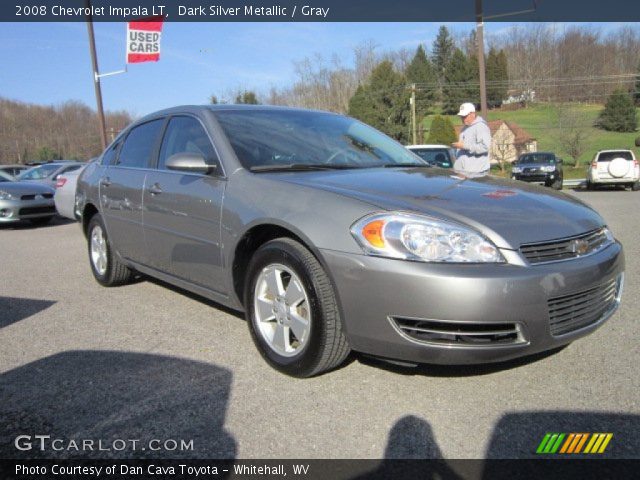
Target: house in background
508 141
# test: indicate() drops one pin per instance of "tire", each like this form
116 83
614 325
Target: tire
40 221
106 267
304 292
635 186
557 185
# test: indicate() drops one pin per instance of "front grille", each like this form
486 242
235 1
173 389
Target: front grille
565 248
578 310
456 333
36 210
531 170
33 197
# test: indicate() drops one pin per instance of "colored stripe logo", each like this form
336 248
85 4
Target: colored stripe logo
593 443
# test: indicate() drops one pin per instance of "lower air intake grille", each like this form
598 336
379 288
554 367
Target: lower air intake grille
456 333
36 210
579 310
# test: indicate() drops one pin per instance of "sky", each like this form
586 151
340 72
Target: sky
49 63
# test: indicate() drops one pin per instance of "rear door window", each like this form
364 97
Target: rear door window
140 145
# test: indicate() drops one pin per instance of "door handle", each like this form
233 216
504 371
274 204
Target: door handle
105 182
155 189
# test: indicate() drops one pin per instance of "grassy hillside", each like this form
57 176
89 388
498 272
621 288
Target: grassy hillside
538 121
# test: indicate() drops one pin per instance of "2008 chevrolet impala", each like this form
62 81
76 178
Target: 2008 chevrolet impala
332 237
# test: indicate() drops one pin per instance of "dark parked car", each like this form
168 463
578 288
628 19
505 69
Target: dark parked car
332 237
25 201
48 173
13 170
539 167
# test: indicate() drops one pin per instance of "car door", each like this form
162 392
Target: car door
183 210
121 188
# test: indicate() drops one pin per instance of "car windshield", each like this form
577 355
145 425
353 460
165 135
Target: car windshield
540 158
434 156
38 173
608 156
265 139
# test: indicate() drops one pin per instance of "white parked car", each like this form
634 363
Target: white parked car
614 167
65 197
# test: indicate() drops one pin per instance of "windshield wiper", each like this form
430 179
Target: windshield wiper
406 165
299 167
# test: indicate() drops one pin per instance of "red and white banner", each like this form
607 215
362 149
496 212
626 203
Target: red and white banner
143 40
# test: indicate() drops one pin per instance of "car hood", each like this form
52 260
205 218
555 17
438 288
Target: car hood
510 213
25 188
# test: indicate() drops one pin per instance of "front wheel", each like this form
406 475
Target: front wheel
106 267
557 184
292 311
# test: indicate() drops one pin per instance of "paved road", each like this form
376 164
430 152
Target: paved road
148 361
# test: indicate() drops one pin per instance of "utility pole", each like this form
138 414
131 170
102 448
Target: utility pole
414 126
480 40
96 77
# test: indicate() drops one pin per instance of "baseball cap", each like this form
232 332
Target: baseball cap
466 109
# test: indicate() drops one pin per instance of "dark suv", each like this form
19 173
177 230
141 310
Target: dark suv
539 167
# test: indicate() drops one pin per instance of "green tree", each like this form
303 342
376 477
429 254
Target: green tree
460 82
247 97
619 113
421 72
441 131
497 77
45 154
443 49
636 91
383 102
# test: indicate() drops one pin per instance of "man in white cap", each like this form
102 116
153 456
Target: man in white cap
474 143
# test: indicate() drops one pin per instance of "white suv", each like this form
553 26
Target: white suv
614 167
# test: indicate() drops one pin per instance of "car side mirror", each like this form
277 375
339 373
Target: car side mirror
189 162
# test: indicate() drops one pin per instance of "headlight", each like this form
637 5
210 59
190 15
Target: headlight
548 168
414 237
516 169
5 195
609 235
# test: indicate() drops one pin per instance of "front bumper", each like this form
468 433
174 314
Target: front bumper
546 178
15 210
372 291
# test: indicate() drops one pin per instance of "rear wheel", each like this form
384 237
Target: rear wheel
292 312
590 186
635 186
106 267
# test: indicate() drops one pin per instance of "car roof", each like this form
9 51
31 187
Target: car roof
225 107
428 146
615 150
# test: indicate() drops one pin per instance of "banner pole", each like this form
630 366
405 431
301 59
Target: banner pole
96 76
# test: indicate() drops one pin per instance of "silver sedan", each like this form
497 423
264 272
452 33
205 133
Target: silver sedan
25 201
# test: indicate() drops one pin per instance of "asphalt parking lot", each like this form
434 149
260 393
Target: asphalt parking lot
150 361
